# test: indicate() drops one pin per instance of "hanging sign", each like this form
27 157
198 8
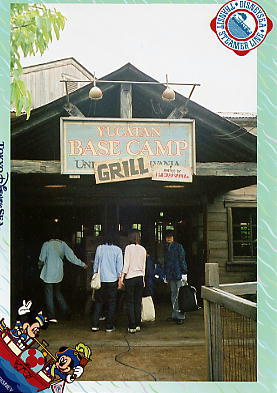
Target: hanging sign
86 142
122 169
172 173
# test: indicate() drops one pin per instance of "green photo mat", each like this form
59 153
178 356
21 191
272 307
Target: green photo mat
267 213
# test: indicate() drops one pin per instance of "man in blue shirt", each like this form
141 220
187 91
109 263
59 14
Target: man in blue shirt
175 270
109 262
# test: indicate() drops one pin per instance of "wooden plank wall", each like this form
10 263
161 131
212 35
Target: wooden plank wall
217 237
45 85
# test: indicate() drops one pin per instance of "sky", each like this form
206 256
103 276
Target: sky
158 39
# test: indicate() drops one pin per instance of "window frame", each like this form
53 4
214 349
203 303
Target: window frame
233 260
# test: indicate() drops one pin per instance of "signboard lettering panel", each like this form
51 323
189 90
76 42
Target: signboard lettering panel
120 170
87 141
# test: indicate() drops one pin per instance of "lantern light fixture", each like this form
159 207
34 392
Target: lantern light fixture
168 93
95 92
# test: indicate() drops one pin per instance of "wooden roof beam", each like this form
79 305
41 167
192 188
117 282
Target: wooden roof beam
222 169
126 111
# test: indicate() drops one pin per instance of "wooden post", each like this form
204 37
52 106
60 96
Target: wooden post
211 275
126 101
207 322
178 112
213 327
73 110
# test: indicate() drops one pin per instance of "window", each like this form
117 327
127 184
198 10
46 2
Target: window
161 228
242 234
97 229
72 84
79 235
137 227
159 232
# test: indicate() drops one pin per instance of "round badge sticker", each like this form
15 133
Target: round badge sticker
241 26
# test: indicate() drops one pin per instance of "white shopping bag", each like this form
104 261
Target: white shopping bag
147 309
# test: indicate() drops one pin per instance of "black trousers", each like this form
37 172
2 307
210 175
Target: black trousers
107 296
134 290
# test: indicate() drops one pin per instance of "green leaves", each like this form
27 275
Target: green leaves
32 29
20 97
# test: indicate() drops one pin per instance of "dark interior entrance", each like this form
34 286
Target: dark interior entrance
84 211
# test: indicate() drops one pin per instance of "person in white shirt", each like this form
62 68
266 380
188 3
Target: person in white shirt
133 273
51 261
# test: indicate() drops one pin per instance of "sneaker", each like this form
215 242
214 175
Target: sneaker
53 320
109 330
180 321
138 329
95 329
132 330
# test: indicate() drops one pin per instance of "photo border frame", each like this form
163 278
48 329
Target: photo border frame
267 213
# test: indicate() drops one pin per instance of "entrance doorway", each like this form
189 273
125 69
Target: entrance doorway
153 222
83 225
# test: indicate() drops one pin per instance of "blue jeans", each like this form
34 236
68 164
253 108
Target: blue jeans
51 291
174 288
107 296
134 290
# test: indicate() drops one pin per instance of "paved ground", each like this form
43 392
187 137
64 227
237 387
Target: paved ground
162 351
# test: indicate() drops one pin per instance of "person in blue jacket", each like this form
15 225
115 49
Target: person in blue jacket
175 270
149 275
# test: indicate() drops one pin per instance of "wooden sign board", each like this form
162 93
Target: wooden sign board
88 141
172 173
122 169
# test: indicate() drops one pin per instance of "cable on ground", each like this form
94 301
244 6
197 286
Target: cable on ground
128 365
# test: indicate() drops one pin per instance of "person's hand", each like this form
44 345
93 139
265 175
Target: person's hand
184 278
40 265
120 284
25 308
85 267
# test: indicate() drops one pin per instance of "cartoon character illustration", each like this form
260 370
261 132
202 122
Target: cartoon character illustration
27 328
67 367
21 353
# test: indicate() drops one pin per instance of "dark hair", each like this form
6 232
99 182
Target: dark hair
134 237
109 238
169 234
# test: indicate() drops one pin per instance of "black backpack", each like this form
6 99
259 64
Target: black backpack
187 300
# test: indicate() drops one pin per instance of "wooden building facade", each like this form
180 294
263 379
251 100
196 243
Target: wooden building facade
214 216
43 80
